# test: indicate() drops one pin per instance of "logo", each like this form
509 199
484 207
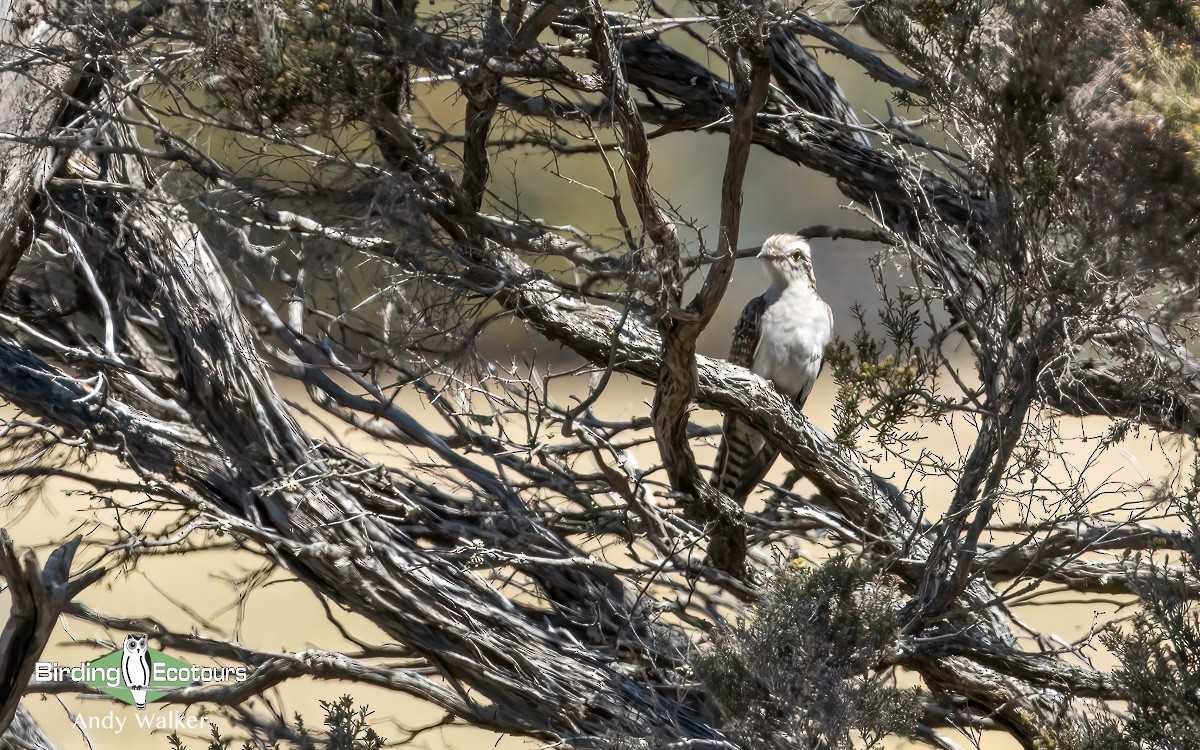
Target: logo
137 674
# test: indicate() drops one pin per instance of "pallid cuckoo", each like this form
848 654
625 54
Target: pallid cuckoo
781 336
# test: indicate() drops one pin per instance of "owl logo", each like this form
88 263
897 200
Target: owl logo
135 667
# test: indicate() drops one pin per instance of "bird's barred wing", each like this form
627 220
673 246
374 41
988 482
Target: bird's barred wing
743 456
746 333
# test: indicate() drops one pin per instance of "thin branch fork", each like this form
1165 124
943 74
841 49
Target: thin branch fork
39 596
679 381
676 388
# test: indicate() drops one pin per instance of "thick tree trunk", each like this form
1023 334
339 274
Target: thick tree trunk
33 84
39 597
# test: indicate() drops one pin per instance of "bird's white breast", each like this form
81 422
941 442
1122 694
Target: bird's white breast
792 338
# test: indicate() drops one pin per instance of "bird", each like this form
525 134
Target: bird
781 336
136 667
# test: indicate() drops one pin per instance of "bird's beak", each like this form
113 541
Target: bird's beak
762 252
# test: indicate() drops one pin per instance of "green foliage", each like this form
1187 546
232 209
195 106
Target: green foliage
1168 18
1091 111
1033 120
309 66
321 59
1159 654
346 728
1166 81
881 391
215 741
805 668
1160 668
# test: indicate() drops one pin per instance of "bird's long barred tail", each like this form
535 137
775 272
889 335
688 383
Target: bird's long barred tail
743 459
732 456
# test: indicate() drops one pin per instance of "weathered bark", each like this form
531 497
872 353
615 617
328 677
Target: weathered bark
38 598
34 85
25 734
470 632
242 452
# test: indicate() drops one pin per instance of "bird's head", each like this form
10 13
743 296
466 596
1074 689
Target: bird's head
788 256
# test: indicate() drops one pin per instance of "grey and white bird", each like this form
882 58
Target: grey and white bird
780 336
